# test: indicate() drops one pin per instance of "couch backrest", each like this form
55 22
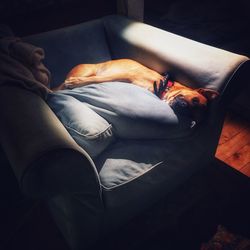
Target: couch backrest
64 48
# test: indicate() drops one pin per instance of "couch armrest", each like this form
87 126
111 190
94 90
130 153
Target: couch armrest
189 62
44 157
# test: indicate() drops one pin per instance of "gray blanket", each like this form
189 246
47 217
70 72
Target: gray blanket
21 65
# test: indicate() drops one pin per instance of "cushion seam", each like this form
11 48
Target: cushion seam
130 180
90 136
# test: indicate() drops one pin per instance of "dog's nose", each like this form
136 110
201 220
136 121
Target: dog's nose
180 102
180 105
195 101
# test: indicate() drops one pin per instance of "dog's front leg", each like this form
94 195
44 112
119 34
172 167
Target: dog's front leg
75 82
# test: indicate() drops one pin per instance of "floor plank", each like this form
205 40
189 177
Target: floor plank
246 169
234 144
240 158
232 126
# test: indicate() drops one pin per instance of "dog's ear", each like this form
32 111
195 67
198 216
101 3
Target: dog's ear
210 94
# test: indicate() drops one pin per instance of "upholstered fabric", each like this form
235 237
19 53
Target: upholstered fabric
135 173
64 48
32 136
89 130
189 62
134 112
132 174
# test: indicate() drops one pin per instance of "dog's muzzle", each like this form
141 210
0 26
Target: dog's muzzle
180 105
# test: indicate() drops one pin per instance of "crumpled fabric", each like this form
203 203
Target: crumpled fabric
21 65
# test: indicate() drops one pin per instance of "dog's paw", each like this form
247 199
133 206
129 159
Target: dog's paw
73 82
161 86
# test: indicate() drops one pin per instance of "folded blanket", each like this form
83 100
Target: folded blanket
21 65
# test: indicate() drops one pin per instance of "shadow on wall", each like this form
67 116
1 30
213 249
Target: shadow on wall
220 23
26 17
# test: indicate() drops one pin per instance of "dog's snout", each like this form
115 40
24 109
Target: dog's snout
181 102
180 105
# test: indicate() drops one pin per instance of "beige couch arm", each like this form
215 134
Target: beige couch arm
44 157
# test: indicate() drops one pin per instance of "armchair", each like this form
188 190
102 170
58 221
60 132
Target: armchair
90 198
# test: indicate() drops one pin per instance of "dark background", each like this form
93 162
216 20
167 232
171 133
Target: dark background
27 17
221 23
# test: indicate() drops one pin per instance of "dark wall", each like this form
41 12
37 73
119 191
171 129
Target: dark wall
220 23
33 16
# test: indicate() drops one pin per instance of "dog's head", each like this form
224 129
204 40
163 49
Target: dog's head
189 101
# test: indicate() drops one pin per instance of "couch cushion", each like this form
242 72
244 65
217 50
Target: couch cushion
135 173
134 112
89 130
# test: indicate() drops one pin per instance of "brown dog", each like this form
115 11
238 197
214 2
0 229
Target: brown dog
178 96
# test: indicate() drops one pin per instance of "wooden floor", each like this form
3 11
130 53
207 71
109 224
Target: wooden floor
234 144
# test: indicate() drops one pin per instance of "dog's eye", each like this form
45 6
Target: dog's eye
195 101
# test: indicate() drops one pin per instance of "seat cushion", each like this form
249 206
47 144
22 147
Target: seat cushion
134 112
135 173
89 130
